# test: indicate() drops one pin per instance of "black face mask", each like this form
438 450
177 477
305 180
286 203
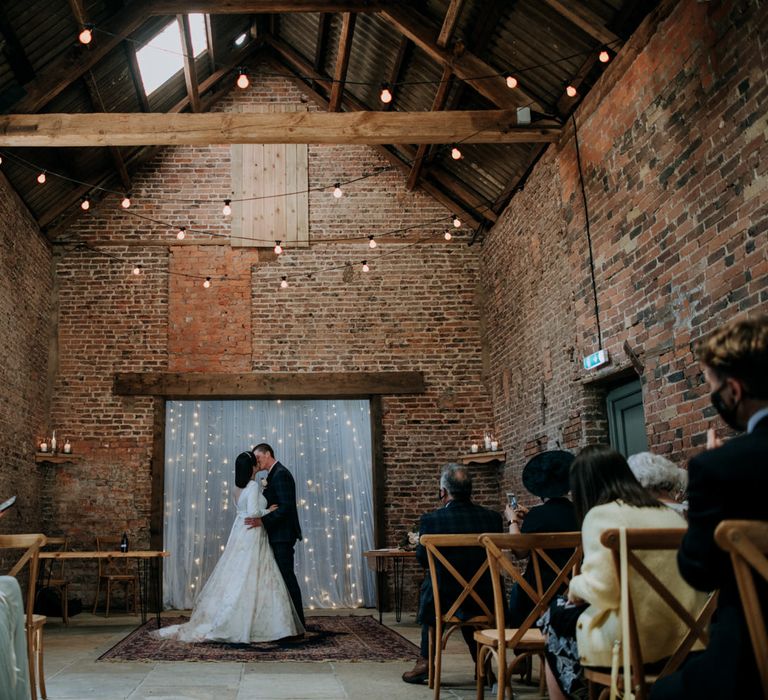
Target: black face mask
728 414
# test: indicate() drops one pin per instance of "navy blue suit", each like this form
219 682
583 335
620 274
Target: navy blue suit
728 483
455 518
283 528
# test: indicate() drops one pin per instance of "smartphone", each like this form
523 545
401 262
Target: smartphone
512 500
7 504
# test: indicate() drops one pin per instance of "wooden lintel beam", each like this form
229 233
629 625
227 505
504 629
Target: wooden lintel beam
267 384
248 7
190 72
466 66
586 20
449 23
342 61
136 129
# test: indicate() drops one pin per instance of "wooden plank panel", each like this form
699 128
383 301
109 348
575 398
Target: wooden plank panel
302 199
256 175
238 208
291 200
267 384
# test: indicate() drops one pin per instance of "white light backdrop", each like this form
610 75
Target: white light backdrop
327 447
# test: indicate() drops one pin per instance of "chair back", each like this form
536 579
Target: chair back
110 567
747 543
498 549
53 568
694 623
30 544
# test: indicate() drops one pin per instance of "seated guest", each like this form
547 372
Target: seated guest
457 516
729 482
664 479
14 676
580 630
545 476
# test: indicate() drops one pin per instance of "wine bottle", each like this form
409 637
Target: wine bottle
124 543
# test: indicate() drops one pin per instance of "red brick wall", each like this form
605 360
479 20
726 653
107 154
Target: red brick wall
673 149
26 293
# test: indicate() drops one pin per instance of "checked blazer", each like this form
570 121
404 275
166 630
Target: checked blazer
282 525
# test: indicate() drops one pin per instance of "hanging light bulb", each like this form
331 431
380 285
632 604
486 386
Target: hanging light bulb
571 91
182 233
456 221
41 178
227 209
207 282
386 94
372 242
511 81
337 191
604 56
85 205
365 266
242 79
1 160
126 201
278 248
447 235
456 153
136 270
283 283
86 35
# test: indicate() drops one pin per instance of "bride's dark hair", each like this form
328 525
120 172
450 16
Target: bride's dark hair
244 469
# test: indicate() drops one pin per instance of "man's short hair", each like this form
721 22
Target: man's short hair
264 447
739 349
456 480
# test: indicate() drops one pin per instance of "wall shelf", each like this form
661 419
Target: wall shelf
55 458
483 457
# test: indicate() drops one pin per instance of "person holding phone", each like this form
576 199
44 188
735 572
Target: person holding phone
545 476
5 505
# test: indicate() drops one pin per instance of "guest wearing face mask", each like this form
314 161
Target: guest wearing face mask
727 482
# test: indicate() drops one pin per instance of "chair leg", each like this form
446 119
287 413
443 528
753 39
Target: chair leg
96 599
64 592
431 658
438 664
39 662
31 662
135 597
109 595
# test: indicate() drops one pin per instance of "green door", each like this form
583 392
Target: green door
626 420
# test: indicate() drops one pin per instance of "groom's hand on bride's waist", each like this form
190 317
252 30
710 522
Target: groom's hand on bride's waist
253 522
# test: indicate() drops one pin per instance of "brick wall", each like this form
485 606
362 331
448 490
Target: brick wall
26 293
673 149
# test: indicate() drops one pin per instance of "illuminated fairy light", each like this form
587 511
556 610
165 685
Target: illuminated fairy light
126 203
386 94
207 282
456 153
182 233
242 79
365 266
85 205
511 81
283 283
41 178
86 35
447 235
372 242
604 56
227 208
278 248
456 221
337 191
571 91
136 270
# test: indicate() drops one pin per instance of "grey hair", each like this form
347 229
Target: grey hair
456 480
657 473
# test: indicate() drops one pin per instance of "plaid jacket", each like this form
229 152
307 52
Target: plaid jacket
282 524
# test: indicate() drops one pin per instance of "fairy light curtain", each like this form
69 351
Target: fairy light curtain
326 444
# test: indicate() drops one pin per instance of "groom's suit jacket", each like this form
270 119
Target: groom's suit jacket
282 524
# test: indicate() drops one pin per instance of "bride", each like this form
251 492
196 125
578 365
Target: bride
245 599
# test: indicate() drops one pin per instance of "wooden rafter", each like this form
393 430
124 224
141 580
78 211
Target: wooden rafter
467 66
342 61
586 20
449 23
190 72
14 51
138 129
135 73
209 41
323 27
397 68
245 7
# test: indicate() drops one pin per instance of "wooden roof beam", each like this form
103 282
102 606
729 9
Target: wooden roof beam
190 72
135 72
586 20
396 71
323 27
342 61
14 51
449 23
246 7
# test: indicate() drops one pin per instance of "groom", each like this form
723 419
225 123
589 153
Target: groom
282 524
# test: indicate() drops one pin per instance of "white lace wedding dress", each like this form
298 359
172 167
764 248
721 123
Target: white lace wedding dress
245 598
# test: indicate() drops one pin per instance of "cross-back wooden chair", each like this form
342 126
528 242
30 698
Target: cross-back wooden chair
52 574
696 622
525 640
29 559
747 543
472 606
115 572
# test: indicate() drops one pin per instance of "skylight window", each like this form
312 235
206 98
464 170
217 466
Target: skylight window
162 57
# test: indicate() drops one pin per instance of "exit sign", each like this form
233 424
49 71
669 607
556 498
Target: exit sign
596 359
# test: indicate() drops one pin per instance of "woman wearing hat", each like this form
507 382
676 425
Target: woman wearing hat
545 476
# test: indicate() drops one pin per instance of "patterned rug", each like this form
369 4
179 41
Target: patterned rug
352 638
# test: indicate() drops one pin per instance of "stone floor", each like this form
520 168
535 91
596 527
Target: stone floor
72 672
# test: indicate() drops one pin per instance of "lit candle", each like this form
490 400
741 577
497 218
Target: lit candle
494 445
473 447
43 446
67 447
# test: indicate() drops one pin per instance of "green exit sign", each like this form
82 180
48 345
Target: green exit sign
596 359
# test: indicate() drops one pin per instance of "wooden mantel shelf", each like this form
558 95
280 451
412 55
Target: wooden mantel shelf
55 457
483 457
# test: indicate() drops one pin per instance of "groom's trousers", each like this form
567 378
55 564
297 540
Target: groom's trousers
283 552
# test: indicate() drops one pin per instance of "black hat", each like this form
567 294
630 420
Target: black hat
546 474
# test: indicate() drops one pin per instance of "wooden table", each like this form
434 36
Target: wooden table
148 563
378 558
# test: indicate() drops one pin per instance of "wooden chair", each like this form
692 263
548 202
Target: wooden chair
747 543
52 574
31 545
525 640
444 572
115 572
644 540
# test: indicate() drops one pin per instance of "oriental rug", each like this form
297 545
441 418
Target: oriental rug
347 638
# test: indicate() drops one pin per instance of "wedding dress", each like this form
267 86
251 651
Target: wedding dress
245 599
